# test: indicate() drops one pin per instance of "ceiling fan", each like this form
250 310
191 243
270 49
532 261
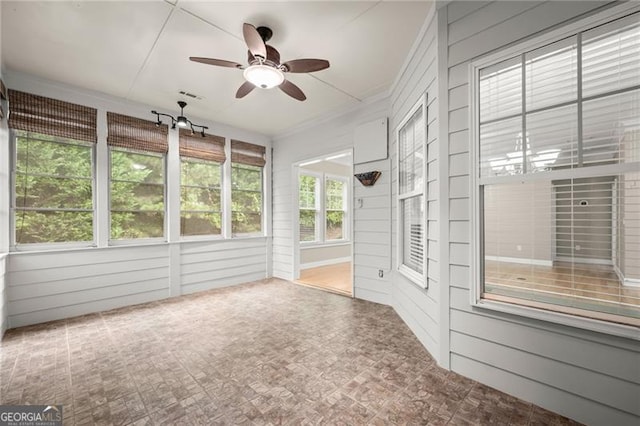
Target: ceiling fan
265 70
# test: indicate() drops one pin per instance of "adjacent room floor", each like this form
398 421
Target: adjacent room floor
335 278
262 353
589 286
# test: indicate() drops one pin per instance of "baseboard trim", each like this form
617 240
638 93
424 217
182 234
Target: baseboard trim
325 262
522 260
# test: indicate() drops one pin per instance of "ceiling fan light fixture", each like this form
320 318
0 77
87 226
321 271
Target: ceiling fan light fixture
264 76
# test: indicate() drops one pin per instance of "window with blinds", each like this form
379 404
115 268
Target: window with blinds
247 163
52 170
411 141
137 152
201 161
558 175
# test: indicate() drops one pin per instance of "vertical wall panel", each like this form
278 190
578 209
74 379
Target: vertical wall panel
419 307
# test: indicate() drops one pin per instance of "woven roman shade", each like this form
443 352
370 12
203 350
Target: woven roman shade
136 133
33 113
209 147
248 153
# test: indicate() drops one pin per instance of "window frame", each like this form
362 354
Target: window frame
532 311
319 193
413 276
345 209
14 247
137 241
263 184
321 210
221 189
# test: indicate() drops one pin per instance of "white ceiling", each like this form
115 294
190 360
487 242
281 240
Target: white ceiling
139 51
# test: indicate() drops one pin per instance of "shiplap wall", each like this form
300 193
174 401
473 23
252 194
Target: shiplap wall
587 376
418 307
48 285
213 264
371 233
3 296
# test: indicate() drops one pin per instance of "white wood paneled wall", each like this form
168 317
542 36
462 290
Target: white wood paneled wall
420 308
46 286
587 376
3 296
372 220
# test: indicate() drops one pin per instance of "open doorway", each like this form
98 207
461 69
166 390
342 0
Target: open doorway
324 252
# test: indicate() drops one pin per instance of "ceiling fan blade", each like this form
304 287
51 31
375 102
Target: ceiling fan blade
254 41
217 62
244 89
306 65
292 90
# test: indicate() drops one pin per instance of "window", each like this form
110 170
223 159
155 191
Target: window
323 199
335 190
309 204
137 151
201 161
247 162
52 171
558 175
411 139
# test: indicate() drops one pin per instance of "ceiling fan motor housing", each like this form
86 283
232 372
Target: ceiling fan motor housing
273 57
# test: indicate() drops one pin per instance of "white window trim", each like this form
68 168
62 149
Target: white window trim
345 209
319 191
138 241
416 278
204 237
321 211
263 233
38 247
477 302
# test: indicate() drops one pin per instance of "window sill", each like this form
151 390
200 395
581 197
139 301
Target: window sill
313 244
413 276
200 238
609 328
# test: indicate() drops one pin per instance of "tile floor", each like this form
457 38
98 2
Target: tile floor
269 352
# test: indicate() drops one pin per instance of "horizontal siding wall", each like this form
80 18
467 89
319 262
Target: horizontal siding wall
372 221
207 265
3 295
587 376
46 286
372 246
418 307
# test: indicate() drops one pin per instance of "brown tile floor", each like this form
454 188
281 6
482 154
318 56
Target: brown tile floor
262 353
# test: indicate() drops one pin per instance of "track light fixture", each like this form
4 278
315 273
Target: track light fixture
181 120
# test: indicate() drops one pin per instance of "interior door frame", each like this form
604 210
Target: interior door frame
295 214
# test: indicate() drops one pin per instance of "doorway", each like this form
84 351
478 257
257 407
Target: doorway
323 218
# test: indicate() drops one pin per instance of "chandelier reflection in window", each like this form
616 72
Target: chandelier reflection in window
521 161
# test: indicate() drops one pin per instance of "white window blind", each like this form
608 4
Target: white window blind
611 57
